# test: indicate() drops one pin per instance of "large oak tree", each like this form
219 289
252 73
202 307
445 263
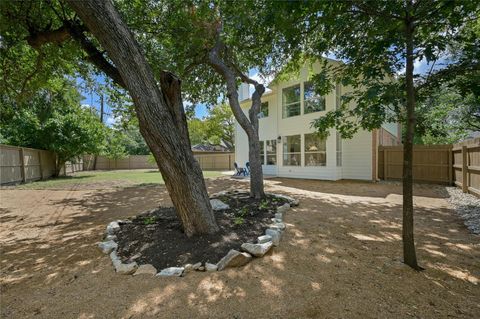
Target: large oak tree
95 31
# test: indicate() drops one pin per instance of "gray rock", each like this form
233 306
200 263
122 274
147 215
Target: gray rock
112 228
275 235
275 220
218 204
234 258
282 209
278 226
201 268
279 216
188 268
146 269
263 239
111 237
197 266
121 268
292 201
171 271
257 250
108 246
210 267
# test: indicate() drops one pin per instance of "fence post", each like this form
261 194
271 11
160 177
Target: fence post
229 162
450 166
384 164
22 163
40 164
464 169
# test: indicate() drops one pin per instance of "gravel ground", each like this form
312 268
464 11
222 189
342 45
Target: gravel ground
467 207
340 257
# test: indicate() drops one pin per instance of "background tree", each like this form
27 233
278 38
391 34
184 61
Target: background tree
379 43
91 30
218 42
53 120
217 128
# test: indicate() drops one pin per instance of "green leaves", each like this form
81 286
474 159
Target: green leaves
53 119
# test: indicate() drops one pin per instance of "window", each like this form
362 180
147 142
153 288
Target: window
272 152
338 96
315 150
339 149
312 102
291 150
262 152
264 109
291 101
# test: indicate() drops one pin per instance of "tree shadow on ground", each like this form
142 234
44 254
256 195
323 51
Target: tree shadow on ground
340 257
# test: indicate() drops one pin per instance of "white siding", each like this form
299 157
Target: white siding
356 153
357 156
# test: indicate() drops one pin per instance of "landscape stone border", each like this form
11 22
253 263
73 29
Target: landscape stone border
234 258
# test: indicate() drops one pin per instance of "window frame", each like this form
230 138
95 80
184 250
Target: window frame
284 143
300 103
320 151
316 96
339 150
268 109
274 153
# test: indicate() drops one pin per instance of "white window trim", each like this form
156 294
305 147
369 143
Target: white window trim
299 101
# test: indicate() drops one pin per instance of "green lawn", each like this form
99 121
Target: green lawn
113 178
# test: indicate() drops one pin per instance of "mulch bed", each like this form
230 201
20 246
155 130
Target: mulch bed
156 237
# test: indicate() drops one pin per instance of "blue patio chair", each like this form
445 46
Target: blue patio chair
238 170
247 169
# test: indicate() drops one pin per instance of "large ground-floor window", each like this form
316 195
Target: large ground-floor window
271 152
292 150
315 150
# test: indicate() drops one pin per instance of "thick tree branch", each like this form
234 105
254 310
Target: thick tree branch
67 31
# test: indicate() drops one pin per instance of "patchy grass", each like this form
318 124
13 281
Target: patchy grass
106 178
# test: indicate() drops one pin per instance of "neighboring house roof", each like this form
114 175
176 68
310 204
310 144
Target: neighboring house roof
209 148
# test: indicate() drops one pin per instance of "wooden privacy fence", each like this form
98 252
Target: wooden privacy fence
457 164
466 166
431 163
207 161
21 164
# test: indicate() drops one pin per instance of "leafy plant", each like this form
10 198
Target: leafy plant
149 220
239 220
263 204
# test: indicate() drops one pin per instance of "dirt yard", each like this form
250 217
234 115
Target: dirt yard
339 258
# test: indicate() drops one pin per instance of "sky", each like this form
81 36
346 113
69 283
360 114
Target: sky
92 99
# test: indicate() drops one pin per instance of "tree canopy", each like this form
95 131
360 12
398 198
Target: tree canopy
53 119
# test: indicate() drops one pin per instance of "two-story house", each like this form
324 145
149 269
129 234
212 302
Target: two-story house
290 149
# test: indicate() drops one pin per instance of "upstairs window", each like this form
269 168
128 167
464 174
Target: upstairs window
272 152
312 102
338 96
291 101
264 109
315 150
292 150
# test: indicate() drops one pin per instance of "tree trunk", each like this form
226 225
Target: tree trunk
409 254
249 126
160 114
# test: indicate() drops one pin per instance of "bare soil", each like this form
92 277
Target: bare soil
340 258
156 236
